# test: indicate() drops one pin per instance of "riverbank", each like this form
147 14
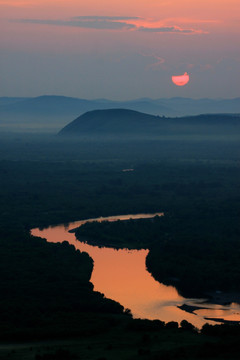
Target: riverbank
135 288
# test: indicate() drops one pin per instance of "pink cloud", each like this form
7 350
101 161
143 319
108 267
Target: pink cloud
112 23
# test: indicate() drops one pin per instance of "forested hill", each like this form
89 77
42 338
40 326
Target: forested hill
111 120
49 113
123 121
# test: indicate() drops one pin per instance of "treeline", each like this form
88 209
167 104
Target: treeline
131 234
198 255
45 287
197 251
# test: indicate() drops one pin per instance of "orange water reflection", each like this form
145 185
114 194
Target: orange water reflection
122 276
229 312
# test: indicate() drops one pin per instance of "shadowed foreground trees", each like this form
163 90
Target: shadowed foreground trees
45 287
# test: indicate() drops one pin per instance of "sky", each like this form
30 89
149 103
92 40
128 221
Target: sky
119 50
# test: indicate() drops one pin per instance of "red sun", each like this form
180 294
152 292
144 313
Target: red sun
180 80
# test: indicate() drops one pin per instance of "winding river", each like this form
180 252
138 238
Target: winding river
121 275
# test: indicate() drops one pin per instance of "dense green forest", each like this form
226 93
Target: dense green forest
46 290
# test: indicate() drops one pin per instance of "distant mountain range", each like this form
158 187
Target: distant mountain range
51 113
126 122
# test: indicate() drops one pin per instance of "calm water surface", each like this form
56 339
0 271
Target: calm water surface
121 275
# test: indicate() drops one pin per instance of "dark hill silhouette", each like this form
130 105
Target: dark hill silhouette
110 120
51 112
129 122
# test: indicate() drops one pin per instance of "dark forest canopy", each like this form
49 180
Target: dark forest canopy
47 180
197 251
45 287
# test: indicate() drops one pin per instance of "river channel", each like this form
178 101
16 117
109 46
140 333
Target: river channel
121 275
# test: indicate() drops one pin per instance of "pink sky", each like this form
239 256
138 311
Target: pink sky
119 49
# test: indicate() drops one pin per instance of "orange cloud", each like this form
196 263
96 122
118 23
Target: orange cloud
112 23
